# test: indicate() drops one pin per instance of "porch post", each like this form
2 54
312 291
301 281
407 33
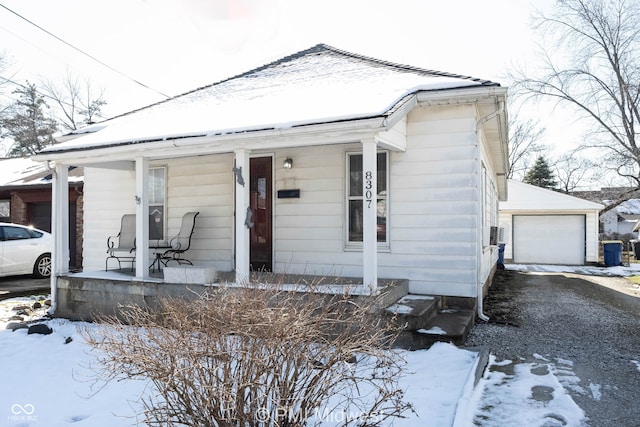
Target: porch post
59 228
369 214
60 224
142 217
241 177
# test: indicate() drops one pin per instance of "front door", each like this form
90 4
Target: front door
261 246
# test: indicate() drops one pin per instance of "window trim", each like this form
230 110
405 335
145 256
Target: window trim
354 245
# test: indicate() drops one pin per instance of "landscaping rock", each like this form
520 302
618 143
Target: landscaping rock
39 328
36 305
12 326
21 307
16 317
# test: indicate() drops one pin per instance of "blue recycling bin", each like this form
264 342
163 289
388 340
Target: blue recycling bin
612 253
501 255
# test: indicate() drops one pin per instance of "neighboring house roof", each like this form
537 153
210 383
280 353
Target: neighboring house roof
23 172
527 197
631 206
629 217
316 86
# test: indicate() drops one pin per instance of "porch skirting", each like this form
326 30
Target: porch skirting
84 298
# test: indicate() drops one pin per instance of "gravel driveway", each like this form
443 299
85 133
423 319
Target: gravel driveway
586 328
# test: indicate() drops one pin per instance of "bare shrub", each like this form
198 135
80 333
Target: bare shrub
256 357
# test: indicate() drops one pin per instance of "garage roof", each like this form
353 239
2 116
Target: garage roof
525 197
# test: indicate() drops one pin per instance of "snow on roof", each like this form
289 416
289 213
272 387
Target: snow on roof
527 197
631 206
318 85
18 171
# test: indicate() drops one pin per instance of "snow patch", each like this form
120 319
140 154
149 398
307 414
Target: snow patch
433 331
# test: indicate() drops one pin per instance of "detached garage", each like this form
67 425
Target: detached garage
547 227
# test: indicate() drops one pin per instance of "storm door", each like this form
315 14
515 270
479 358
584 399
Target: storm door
261 201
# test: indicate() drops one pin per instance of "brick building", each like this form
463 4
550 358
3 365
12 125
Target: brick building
25 198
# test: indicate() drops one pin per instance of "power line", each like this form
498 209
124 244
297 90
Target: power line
84 53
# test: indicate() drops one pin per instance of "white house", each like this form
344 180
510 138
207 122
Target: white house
344 165
547 227
623 219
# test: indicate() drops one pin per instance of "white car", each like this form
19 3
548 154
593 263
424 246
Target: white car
24 250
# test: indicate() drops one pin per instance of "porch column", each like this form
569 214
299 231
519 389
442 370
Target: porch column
59 226
241 176
369 214
142 218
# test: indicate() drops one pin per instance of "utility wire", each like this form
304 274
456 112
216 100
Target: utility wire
84 53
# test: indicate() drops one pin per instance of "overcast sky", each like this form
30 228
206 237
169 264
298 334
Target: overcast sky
173 46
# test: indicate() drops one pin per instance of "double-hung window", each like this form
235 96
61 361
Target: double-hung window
157 214
355 199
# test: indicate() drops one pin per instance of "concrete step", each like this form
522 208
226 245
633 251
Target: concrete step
447 325
412 311
391 291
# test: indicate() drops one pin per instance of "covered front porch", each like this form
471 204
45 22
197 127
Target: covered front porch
307 232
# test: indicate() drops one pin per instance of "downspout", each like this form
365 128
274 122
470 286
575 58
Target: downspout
52 278
479 233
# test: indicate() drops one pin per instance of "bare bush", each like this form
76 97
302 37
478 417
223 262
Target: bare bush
256 357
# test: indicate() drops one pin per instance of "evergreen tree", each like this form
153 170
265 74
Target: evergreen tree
541 175
28 125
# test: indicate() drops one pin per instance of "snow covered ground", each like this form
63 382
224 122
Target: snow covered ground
45 381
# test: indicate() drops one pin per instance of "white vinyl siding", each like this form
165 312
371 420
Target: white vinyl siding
434 203
108 194
203 184
309 230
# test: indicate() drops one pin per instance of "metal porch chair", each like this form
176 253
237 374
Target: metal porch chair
181 242
122 247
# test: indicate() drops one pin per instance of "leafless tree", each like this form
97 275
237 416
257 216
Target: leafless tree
79 103
590 62
574 170
524 144
4 80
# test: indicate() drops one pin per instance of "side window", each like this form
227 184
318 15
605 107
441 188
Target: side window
16 233
5 210
355 199
157 205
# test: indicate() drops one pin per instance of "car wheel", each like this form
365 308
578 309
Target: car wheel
42 267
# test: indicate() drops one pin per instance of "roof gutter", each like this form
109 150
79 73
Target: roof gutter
479 282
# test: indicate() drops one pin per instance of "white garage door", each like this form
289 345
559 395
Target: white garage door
549 239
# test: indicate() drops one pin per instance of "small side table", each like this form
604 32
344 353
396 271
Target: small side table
158 250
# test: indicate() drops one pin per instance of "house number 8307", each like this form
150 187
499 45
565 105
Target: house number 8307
368 188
